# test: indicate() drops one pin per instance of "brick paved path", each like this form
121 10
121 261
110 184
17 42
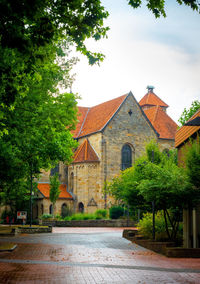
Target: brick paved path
90 255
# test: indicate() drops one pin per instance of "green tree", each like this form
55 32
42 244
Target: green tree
28 26
28 29
188 113
38 128
168 186
157 7
54 190
193 165
155 177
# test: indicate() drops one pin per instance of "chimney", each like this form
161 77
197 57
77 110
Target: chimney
150 89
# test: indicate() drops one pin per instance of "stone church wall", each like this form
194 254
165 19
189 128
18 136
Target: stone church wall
166 144
87 186
37 207
128 126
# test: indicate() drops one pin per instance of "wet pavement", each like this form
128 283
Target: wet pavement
90 255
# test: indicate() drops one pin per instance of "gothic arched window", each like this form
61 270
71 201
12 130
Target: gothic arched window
51 209
81 207
126 157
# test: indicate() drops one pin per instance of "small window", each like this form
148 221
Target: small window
126 157
64 210
37 209
42 208
72 182
130 112
81 207
51 209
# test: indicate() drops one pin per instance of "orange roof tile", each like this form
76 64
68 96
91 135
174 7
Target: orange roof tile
186 131
82 114
85 153
162 123
94 119
152 99
44 188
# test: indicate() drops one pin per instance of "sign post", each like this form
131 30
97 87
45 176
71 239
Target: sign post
22 215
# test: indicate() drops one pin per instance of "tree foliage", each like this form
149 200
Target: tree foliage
162 182
28 29
193 165
38 127
188 113
157 7
54 189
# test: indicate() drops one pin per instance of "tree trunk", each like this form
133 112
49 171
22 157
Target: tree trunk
166 224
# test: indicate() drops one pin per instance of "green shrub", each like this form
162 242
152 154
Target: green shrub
35 222
145 227
58 217
89 216
116 212
46 216
67 218
78 216
101 214
81 216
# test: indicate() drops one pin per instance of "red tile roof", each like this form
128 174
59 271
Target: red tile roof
162 123
186 131
85 153
44 188
94 119
82 115
151 99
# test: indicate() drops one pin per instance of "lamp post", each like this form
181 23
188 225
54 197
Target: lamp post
153 208
31 190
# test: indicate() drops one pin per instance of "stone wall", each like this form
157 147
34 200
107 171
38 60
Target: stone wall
46 204
166 144
88 178
44 176
33 230
128 126
124 128
90 223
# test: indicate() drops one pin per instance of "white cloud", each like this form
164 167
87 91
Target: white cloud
135 58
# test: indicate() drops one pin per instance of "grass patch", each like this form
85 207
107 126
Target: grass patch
7 246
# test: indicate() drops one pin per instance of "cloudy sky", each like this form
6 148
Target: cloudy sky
140 51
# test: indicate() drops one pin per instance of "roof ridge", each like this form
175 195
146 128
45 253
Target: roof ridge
193 116
162 122
157 106
79 149
148 97
125 97
86 149
83 122
109 100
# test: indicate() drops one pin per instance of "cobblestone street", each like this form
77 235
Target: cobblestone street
90 255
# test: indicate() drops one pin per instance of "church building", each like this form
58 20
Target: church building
111 136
